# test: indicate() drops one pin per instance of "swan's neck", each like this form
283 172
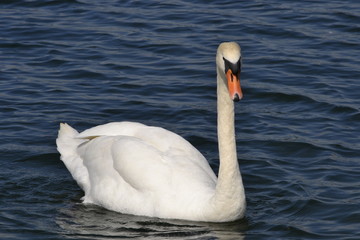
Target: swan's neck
229 194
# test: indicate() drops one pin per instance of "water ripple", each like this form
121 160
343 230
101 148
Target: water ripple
87 63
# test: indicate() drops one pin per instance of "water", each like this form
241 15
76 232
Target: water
88 62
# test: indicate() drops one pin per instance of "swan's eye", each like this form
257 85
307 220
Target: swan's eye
235 67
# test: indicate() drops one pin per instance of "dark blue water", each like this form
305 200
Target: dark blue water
88 62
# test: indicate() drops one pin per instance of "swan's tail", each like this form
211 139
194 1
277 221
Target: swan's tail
67 145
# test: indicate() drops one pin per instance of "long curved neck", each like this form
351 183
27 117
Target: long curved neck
229 193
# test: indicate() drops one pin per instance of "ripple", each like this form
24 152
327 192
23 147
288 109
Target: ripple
88 63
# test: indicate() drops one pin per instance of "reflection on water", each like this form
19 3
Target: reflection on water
89 221
88 63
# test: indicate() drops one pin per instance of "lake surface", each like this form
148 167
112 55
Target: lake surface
88 62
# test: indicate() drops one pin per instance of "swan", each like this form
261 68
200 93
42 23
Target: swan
143 170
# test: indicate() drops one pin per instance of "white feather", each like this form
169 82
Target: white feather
137 169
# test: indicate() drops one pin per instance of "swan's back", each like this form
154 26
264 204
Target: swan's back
137 169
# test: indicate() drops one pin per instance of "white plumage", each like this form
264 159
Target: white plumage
137 169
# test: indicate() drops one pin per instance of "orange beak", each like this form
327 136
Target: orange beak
234 86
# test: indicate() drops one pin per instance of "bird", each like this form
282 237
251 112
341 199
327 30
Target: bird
132 168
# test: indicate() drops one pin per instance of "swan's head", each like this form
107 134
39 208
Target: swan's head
228 61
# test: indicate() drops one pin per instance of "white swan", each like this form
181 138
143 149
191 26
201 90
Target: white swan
137 169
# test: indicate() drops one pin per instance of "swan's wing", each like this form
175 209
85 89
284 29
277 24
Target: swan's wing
112 129
146 167
131 176
165 142
133 168
141 165
107 187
